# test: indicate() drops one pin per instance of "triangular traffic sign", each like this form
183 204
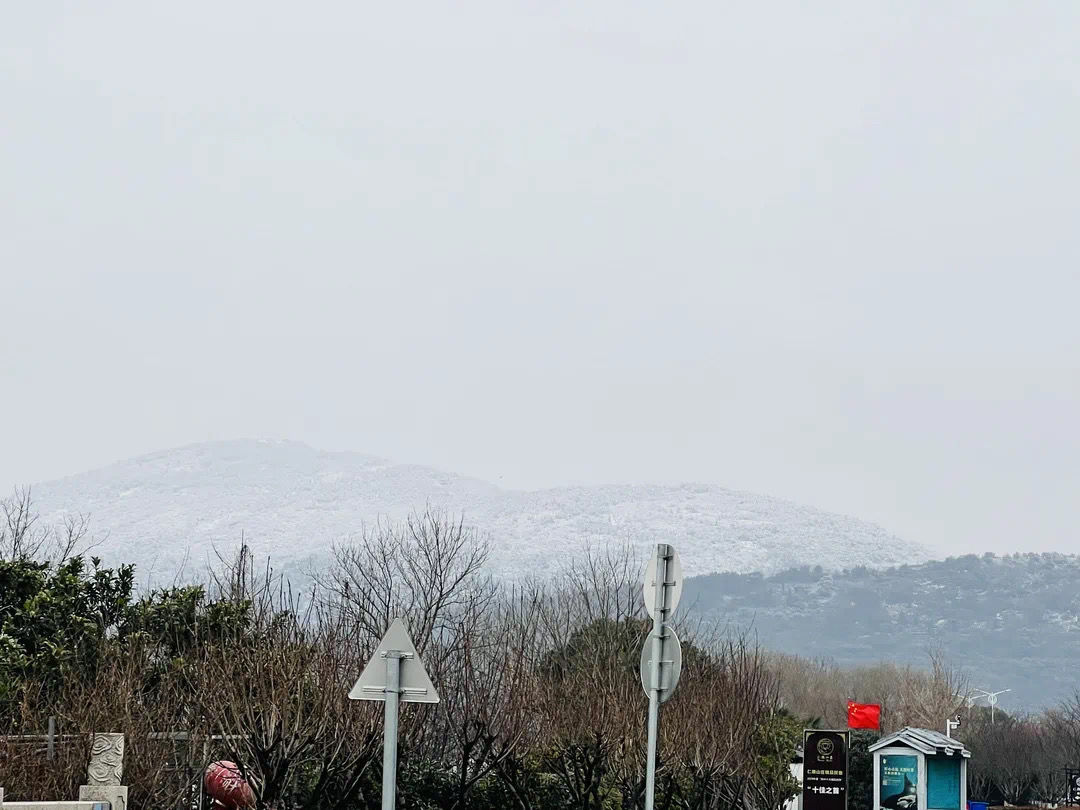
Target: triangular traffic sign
416 686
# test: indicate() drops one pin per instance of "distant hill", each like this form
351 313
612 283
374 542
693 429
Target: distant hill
291 502
1012 622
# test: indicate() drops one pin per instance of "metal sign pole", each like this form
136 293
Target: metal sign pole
390 730
402 679
659 618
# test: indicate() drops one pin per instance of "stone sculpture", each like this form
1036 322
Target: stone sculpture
106 760
105 772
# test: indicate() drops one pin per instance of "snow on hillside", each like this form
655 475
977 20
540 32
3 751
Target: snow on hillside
173 508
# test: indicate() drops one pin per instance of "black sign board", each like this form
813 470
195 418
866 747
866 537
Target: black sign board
825 770
1072 778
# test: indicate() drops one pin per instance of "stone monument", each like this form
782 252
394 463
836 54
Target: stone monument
105 773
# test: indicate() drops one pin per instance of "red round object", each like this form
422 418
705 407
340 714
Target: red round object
227 786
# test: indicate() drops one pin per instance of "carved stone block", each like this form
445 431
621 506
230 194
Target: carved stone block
106 760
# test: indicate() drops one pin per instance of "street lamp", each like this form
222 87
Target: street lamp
991 699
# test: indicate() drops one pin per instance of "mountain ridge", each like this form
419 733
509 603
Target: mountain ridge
1012 619
291 502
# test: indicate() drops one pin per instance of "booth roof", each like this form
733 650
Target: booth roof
924 741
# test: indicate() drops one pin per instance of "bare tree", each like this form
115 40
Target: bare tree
589 694
1014 748
927 698
427 571
479 642
23 535
908 695
1063 724
487 687
713 721
276 694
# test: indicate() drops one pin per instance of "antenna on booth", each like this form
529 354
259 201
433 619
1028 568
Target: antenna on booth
951 725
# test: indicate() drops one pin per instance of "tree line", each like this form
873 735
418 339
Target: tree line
541 708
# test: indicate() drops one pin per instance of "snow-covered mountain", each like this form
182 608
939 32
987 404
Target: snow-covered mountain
173 508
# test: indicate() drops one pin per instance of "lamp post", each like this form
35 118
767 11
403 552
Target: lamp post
991 699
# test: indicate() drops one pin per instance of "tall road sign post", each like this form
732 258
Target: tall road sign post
661 657
394 674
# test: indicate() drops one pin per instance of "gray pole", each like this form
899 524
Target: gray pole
659 619
52 737
390 729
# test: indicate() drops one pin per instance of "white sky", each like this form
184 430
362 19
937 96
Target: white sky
827 251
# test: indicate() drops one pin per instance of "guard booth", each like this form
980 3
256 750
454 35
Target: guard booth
919 769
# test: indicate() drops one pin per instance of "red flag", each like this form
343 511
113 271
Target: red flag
863 715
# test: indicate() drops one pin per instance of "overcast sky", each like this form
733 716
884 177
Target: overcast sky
826 251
